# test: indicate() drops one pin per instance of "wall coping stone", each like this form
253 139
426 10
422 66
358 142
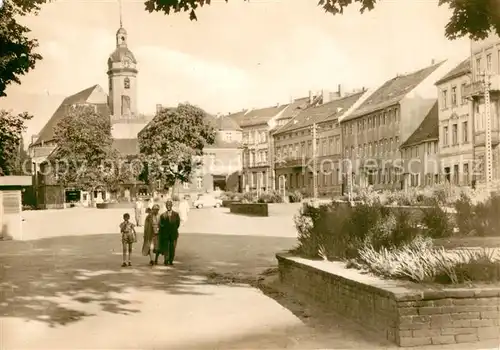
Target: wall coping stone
398 290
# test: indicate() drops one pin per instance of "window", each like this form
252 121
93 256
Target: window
337 145
498 62
456 174
429 147
454 134
444 99
185 185
126 83
229 136
462 93
466 173
465 132
199 183
454 96
445 136
478 66
488 62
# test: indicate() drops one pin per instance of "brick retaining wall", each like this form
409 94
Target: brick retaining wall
405 313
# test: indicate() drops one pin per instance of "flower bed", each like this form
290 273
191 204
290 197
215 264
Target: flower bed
396 242
117 205
406 313
251 209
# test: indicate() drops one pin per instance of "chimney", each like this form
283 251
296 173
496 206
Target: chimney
277 105
34 138
340 91
311 97
159 107
433 62
291 99
326 97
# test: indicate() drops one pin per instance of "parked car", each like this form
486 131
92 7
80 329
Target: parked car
206 200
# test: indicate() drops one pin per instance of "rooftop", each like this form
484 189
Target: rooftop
393 91
428 129
47 132
462 68
256 117
321 113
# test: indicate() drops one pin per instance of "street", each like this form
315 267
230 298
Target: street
65 289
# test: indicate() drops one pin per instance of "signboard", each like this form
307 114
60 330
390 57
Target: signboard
11 202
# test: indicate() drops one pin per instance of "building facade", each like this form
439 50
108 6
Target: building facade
373 133
221 162
257 143
420 153
293 146
485 61
456 149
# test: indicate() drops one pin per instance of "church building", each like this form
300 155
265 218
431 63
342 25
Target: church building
119 104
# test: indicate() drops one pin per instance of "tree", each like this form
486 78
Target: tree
475 18
18 54
84 156
11 152
171 146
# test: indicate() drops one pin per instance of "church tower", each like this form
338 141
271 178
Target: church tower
122 73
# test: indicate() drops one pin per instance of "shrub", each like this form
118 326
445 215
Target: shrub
295 196
271 196
481 219
321 231
436 222
249 197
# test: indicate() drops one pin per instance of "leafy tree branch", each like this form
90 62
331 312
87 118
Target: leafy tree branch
473 18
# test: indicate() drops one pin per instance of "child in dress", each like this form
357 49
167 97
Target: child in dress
129 237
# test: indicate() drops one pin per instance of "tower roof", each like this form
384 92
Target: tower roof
120 53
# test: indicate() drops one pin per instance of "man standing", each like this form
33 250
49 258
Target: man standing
138 212
184 209
168 234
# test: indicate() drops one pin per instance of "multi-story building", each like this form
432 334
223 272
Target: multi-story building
293 144
221 162
373 133
485 61
256 125
420 153
455 125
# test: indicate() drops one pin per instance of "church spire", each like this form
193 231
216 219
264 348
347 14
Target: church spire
120 9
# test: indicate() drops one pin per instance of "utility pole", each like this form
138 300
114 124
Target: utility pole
487 145
315 165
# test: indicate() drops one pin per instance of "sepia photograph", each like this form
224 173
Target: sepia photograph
249 174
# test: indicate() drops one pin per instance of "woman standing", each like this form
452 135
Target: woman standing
151 228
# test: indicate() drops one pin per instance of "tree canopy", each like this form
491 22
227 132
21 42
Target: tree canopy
473 18
18 54
172 145
85 157
12 153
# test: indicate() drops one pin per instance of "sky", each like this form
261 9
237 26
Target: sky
237 55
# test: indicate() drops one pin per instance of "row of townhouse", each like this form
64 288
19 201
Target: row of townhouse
416 129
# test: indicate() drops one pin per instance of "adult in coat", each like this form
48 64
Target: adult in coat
151 229
168 234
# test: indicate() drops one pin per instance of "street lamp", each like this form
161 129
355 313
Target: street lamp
315 165
488 146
